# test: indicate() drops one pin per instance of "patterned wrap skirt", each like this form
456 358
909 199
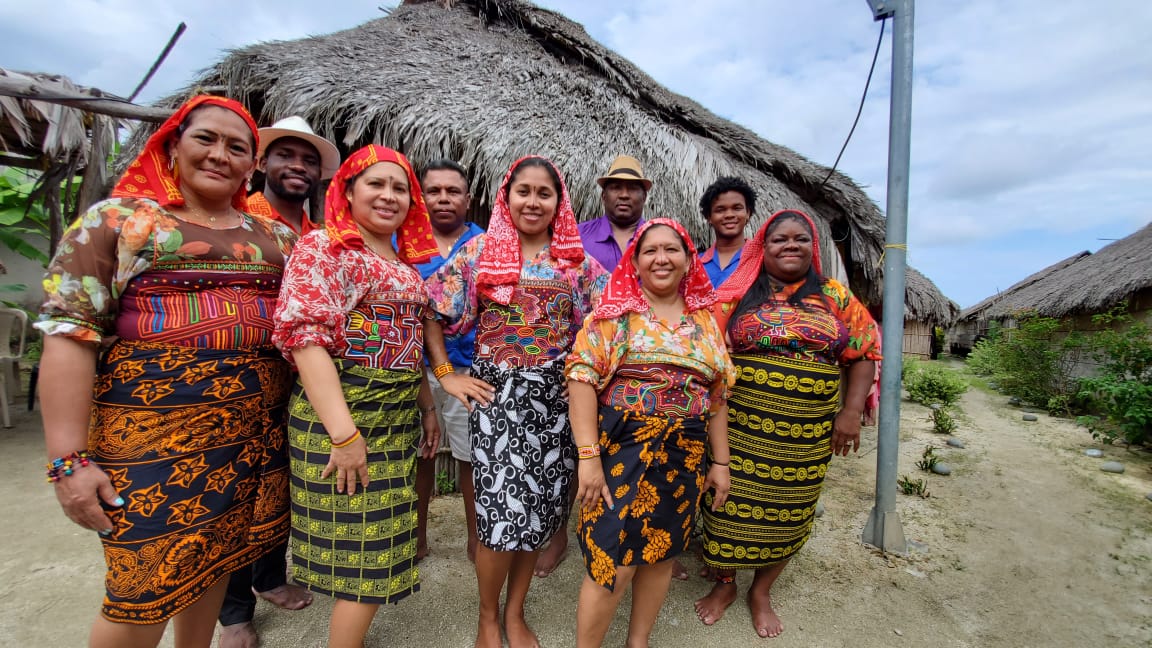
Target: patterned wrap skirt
359 547
523 456
654 467
194 442
779 433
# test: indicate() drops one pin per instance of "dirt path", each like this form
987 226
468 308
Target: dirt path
1026 544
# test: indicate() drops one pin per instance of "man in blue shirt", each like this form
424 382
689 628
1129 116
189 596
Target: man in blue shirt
727 204
445 186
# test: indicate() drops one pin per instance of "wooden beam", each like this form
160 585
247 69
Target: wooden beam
21 162
36 90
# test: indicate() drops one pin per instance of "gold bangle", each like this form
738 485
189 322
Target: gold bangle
347 442
442 370
588 451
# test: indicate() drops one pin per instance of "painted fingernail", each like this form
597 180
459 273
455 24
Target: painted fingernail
105 533
119 501
611 507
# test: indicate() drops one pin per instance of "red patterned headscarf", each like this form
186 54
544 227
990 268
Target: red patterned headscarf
151 175
752 258
414 241
624 294
498 268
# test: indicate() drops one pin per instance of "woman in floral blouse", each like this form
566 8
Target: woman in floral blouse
525 287
351 318
648 379
167 395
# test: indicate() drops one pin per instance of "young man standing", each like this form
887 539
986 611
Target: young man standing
294 160
727 204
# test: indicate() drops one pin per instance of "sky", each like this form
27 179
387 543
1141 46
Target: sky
1031 119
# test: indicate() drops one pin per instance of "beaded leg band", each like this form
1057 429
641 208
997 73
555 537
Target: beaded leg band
725 580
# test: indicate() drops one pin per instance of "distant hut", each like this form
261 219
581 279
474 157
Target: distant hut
925 308
487 81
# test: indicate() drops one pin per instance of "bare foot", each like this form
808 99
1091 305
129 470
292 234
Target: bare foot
488 634
711 608
707 573
679 571
289 597
764 618
519 634
552 556
239 635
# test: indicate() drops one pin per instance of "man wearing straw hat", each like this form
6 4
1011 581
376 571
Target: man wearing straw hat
293 159
623 190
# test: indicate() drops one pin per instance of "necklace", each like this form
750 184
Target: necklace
209 218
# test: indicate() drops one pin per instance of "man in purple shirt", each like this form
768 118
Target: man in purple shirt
623 190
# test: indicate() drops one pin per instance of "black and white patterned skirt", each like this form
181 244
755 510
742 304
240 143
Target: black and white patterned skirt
523 456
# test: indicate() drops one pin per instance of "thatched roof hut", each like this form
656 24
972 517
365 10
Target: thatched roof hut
923 301
981 310
1091 283
486 81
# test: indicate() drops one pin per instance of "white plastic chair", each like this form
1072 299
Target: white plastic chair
12 320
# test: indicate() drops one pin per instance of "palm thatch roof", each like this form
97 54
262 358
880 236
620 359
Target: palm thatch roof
1091 283
980 311
923 301
487 81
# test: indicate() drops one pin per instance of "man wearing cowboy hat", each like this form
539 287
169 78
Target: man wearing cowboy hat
623 189
294 160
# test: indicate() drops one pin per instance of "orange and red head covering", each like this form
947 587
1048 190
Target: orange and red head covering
151 174
624 294
498 268
414 241
752 258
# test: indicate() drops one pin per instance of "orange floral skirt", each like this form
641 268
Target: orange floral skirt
654 467
194 441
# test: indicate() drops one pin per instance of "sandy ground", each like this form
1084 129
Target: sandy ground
1027 543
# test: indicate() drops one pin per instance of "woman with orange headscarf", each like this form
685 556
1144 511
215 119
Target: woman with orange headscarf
351 318
799 340
648 378
164 426
525 287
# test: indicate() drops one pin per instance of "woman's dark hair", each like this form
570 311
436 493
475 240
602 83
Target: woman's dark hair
724 185
535 161
188 122
761 290
640 241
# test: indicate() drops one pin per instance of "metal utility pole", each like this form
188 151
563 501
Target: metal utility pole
883 529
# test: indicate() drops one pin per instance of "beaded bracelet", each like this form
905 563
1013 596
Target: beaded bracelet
61 467
588 452
442 370
347 442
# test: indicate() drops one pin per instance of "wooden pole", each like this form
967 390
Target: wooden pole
37 90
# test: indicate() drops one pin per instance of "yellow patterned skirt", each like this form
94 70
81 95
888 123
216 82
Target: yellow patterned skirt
360 547
779 432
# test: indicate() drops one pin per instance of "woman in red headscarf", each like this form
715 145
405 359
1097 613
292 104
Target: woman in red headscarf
791 332
652 361
350 317
525 287
164 424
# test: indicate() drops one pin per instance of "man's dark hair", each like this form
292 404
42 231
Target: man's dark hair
724 185
443 164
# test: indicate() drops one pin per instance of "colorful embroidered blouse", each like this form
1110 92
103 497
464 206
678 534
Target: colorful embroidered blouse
129 268
354 304
541 321
833 328
641 363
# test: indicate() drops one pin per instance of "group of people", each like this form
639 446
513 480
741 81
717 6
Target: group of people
232 375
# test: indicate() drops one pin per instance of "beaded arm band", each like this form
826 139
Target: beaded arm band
442 370
61 467
347 442
588 452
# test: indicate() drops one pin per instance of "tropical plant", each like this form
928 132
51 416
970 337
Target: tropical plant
929 383
1122 390
928 459
942 421
910 486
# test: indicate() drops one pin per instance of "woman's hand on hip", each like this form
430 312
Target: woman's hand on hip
720 481
80 495
846 432
466 387
350 464
592 485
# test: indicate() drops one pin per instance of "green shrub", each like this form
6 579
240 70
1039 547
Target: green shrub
942 421
931 383
983 360
928 459
1122 391
1034 361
